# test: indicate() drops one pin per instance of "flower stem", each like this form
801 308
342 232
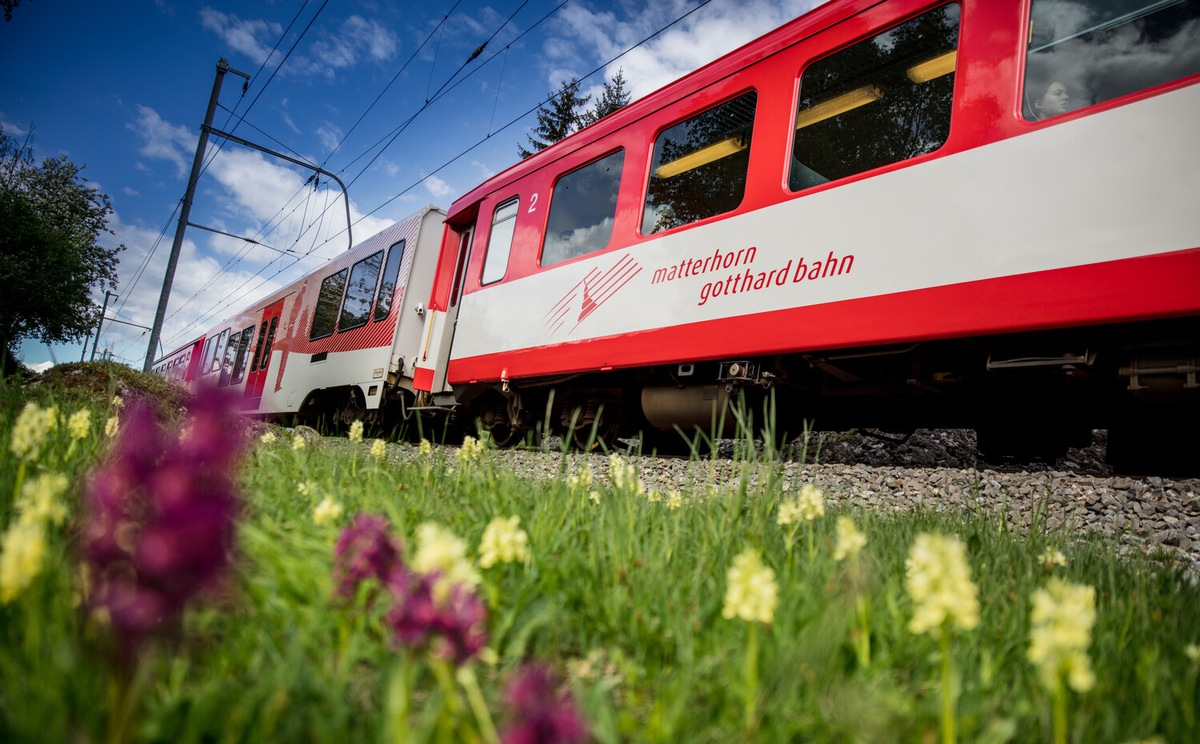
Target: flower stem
466 677
751 677
1060 715
949 724
864 631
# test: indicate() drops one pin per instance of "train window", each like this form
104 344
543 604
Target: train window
243 355
582 209
270 336
227 360
262 334
356 308
326 312
881 101
218 349
504 224
391 278
1084 52
699 167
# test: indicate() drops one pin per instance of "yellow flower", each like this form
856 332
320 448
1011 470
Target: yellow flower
581 481
378 449
298 442
117 402
503 542
21 552
674 499
624 475
112 426
267 438
306 488
439 549
1062 617
654 496
327 512
470 451
938 579
1192 651
30 430
80 423
356 431
808 505
425 448
751 592
849 540
39 498
1052 557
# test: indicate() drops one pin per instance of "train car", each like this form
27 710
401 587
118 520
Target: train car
183 364
894 214
337 345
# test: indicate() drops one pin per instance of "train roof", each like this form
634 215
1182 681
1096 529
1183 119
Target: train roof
770 43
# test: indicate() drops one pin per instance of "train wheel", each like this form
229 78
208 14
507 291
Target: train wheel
594 432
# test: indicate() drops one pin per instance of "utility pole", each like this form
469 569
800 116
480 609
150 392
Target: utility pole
99 325
186 209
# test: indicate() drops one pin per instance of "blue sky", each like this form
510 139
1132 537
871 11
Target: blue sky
122 88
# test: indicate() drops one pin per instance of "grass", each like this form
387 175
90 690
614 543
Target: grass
622 595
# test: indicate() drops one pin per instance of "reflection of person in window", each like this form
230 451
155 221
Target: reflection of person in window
1051 100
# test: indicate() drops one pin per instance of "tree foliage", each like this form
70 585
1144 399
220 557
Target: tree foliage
50 222
8 6
564 112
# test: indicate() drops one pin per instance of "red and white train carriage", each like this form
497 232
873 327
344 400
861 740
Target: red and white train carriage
891 214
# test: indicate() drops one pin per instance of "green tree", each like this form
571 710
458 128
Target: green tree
50 221
614 97
8 6
558 117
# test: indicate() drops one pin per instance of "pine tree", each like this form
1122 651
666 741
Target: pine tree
557 118
614 97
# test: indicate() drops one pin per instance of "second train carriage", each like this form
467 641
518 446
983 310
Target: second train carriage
339 344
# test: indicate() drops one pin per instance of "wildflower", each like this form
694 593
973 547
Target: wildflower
327 512
470 451
267 438
160 517
80 423
503 542
808 505
751 593
1192 651
425 448
594 496
39 498
1052 557
117 402
674 499
442 552
378 449
298 442
30 430
938 579
581 481
654 496
366 550
112 426
624 475
22 549
1062 617
451 620
540 712
306 488
849 540
356 431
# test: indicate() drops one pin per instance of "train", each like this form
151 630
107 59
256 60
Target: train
880 215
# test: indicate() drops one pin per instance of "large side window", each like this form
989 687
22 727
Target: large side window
504 224
1083 52
227 361
265 361
881 101
356 308
218 349
328 301
243 355
582 210
391 277
700 165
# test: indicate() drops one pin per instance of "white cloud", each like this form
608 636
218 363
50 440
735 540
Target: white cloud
437 187
585 36
162 140
330 135
342 50
252 38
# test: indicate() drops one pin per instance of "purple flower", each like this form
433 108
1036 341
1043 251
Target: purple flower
160 516
540 714
454 627
367 550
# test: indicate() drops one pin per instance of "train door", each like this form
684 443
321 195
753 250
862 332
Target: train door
256 380
442 317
